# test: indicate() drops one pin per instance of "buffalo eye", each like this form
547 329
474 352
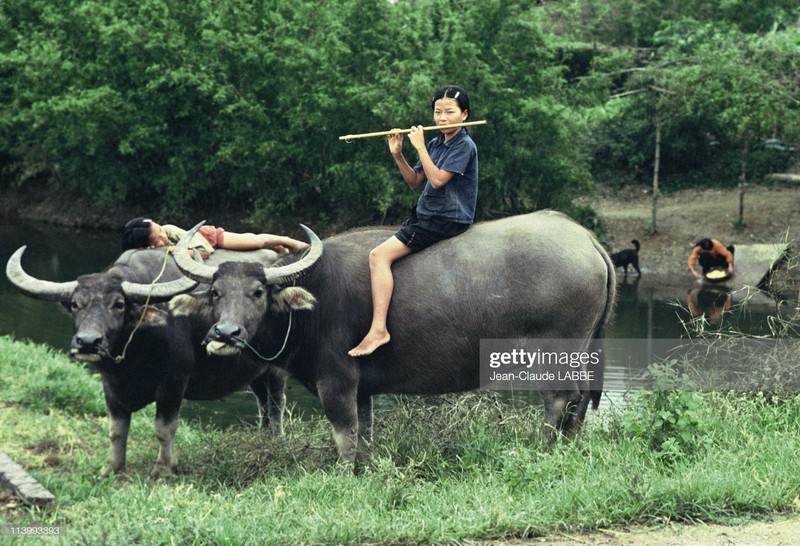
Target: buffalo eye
259 292
119 305
215 295
74 306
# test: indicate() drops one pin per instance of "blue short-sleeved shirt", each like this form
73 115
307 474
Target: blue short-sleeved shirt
456 200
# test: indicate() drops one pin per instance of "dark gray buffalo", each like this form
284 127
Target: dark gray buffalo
146 355
538 276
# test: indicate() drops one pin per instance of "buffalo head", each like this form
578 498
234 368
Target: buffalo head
101 304
240 294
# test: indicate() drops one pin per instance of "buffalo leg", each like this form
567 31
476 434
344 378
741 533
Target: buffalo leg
364 422
167 462
341 410
364 427
560 409
583 407
168 407
270 390
119 425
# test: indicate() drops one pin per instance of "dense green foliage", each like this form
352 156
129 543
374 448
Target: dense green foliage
237 105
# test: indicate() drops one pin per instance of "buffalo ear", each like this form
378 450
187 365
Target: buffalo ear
150 316
293 298
188 305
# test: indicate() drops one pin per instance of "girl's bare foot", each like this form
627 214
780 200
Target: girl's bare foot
371 341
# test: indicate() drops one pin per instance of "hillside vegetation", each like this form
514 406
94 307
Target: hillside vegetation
164 106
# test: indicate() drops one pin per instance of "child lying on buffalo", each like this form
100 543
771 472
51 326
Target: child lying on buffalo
145 233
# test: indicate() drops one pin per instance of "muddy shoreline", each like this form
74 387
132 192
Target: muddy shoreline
771 214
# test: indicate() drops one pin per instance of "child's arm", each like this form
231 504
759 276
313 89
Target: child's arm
203 254
693 260
412 177
436 176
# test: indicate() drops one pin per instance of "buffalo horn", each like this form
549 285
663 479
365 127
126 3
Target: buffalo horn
275 275
285 274
195 270
33 287
160 291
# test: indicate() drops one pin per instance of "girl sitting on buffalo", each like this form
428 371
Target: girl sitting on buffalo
448 169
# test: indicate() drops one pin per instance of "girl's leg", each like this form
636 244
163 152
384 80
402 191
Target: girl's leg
380 269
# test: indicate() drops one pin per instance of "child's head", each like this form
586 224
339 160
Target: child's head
143 233
705 244
453 92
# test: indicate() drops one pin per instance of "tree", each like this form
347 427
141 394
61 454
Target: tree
709 90
740 80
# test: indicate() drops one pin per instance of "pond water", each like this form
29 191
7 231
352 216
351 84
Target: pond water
644 310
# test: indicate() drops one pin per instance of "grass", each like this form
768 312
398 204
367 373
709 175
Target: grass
444 469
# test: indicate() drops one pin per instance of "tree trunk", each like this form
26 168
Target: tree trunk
743 177
656 166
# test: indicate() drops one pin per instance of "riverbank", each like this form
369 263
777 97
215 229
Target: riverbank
771 215
64 447
35 202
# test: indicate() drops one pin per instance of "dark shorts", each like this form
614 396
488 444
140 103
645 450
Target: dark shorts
419 233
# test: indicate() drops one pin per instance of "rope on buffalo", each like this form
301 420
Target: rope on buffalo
259 355
121 357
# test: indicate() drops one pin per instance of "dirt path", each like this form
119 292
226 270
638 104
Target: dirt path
784 531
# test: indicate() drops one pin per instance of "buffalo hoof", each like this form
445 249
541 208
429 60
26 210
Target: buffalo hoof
109 471
161 472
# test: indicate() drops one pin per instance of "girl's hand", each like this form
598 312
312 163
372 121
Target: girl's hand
416 137
395 142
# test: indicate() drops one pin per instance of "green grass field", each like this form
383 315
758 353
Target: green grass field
443 470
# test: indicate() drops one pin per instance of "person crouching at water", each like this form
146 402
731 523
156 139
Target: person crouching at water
448 169
711 254
145 233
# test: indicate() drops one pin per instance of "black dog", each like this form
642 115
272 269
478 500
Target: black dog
628 256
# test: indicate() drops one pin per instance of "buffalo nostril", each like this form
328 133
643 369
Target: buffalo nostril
227 331
88 340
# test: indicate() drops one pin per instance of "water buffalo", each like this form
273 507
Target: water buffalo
539 276
144 354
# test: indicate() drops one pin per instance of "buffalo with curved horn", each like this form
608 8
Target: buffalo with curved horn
143 353
130 280
539 276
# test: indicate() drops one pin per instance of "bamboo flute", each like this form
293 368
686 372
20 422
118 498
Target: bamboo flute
428 128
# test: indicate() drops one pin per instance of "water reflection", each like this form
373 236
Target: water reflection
55 254
709 301
628 289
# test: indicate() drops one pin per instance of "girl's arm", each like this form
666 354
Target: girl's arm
412 177
436 176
